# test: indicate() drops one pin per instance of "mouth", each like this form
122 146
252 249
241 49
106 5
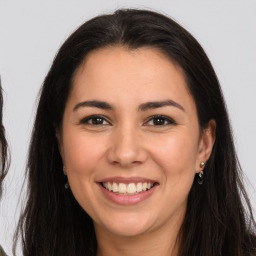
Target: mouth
128 189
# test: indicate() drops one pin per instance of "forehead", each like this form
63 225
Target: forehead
114 58
119 71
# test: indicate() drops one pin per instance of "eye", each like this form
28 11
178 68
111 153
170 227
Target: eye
159 120
96 120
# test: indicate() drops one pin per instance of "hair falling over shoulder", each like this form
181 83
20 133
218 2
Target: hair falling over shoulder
219 219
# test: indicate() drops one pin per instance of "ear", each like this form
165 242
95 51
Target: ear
60 145
206 143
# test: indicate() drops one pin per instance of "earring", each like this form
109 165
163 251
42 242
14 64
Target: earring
200 179
202 164
66 184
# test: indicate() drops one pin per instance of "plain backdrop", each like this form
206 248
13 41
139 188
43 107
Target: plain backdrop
32 31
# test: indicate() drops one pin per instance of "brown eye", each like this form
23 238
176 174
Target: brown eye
159 120
95 120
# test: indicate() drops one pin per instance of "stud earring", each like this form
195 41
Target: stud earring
202 164
200 179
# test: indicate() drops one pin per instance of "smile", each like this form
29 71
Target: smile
127 189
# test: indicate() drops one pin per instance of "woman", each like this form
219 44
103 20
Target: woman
132 151
3 156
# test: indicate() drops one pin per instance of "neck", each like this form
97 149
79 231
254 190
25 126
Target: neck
162 241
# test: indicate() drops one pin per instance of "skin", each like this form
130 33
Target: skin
128 143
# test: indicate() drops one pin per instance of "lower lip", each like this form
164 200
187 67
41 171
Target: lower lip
127 199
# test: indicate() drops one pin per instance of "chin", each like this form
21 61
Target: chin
127 230
127 226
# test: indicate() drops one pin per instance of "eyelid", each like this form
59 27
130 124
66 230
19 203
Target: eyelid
87 118
170 120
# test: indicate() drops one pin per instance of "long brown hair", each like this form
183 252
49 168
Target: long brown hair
219 219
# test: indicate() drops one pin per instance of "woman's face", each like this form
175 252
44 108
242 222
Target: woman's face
130 140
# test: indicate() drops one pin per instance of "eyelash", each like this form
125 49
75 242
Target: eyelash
164 120
169 120
89 120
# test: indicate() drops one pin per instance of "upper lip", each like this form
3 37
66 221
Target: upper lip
127 180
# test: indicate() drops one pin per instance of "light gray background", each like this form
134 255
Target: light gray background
32 31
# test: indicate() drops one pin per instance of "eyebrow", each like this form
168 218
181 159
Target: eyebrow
159 104
93 103
142 107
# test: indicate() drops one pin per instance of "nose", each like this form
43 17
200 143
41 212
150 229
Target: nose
126 148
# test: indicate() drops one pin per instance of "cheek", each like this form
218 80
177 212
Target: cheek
176 155
82 153
82 157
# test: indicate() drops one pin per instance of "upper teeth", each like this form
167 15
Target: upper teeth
130 188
